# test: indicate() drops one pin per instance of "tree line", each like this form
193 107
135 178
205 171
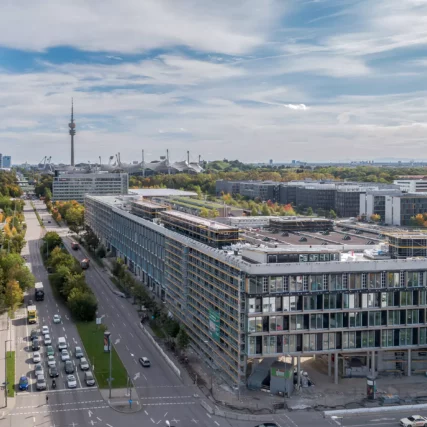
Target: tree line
68 279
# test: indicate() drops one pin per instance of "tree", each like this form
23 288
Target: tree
23 276
58 257
332 214
72 282
254 211
91 238
310 211
83 305
101 252
376 217
13 294
171 327
51 241
213 213
183 340
265 210
204 213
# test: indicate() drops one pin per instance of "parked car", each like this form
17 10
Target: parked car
36 357
69 367
39 369
34 334
71 381
23 383
56 318
53 372
78 352
65 355
84 366
50 351
89 379
35 345
41 383
51 361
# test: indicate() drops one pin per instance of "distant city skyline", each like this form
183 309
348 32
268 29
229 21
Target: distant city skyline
315 80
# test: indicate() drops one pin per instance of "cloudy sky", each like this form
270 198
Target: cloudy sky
312 80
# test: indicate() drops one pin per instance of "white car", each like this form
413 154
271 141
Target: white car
71 380
39 369
45 330
414 421
65 355
56 318
51 361
47 340
36 357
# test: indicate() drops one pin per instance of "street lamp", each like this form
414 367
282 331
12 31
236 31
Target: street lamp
5 372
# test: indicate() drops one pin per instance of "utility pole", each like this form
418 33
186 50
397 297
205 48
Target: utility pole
5 372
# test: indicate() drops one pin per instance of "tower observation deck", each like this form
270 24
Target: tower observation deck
72 127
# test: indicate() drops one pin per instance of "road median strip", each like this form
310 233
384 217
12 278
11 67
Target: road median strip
92 336
10 371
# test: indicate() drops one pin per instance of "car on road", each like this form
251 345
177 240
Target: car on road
56 318
36 357
65 355
62 344
53 372
45 330
89 379
71 381
414 421
39 369
49 221
69 367
47 340
35 345
41 383
34 334
50 351
144 362
51 361
84 366
78 352
23 383
30 302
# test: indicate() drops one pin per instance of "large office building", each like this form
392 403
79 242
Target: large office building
342 197
74 186
394 207
343 298
415 184
5 161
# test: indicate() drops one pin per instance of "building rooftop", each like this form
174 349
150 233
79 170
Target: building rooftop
197 220
149 204
161 192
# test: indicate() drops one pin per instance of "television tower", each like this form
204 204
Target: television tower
72 127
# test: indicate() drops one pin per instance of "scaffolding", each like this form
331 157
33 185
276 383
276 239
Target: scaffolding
407 244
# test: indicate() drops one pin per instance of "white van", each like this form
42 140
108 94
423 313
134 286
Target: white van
62 344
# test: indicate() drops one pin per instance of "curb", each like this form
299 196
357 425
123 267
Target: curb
377 409
132 411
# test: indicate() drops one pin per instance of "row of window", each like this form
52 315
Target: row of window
336 301
336 282
358 319
313 342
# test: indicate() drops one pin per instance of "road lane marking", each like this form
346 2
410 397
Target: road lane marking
164 416
63 328
109 425
99 419
152 421
146 413
208 415
217 423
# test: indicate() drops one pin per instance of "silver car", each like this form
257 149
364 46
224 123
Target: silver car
41 383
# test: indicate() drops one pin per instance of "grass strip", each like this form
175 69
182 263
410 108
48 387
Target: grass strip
37 215
92 336
10 373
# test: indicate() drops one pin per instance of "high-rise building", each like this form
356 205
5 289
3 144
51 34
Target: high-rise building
74 186
244 304
7 161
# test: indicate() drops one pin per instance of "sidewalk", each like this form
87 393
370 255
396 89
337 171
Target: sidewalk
121 400
6 339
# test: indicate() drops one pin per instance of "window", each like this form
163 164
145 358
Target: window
352 300
355 281
336 282
268 304
394 317
349 340
316 282
423 336
413 279
368 339
394 280
316 321
355 320
387 338
310 302
329 341
412 317
297 322
374 318
406 298
309 342
405 337
252 325
330 301
336 320
374 280
293 303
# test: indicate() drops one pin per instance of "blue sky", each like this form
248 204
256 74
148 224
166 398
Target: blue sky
314 80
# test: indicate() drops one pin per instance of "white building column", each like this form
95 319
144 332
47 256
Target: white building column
329 364
373 363
336 368
409 362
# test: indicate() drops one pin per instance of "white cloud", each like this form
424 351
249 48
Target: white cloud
296 106
132 26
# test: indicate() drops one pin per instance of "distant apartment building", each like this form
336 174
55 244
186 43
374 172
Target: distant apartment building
74 186
394 208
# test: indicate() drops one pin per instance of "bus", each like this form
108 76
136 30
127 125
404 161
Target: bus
32 314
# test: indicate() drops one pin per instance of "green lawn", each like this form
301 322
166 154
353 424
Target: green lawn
10 371
92 336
